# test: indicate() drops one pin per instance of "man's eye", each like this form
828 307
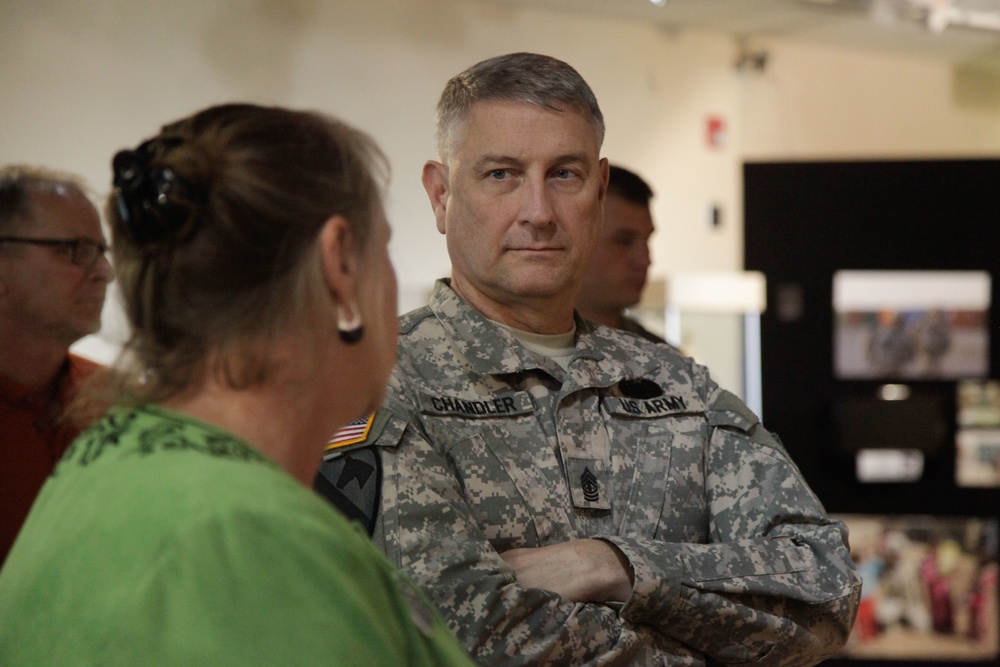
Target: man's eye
497 174
562 173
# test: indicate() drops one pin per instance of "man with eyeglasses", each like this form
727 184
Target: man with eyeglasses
53 279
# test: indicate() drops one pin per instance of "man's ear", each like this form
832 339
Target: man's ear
338 248
435 179
605 176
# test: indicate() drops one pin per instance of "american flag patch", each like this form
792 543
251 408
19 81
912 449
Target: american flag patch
354 432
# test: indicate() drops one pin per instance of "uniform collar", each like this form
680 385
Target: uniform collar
491 350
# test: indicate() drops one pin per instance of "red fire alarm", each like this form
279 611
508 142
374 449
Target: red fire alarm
716 134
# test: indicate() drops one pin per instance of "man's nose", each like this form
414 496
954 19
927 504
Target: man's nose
640 256
102 269
536 207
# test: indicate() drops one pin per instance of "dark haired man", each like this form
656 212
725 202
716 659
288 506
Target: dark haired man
615 274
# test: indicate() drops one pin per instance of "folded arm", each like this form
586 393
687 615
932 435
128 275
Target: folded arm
428 529
775 584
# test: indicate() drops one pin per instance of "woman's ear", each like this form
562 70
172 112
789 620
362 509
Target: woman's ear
338 248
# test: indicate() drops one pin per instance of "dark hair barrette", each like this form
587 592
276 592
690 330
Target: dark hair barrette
152 202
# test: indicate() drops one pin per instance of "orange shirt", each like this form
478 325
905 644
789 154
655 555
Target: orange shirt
32 441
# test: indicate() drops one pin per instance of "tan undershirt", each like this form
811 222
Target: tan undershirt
557 347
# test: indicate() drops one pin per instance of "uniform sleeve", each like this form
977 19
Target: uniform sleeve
775 585
427 528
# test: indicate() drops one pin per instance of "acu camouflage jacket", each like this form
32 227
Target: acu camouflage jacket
486 446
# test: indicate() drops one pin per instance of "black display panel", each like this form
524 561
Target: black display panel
805 222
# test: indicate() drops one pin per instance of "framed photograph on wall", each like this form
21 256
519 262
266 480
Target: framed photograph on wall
977 441
911 325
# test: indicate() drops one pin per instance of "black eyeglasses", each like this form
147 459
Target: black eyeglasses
83 252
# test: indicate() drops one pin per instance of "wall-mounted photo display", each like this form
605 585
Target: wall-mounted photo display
977 440
911 325
929 591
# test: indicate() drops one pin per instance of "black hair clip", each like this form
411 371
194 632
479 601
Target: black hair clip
151 202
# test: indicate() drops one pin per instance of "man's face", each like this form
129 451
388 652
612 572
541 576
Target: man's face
520 204
616 272
42 291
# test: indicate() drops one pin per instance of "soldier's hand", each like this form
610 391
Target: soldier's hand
579 570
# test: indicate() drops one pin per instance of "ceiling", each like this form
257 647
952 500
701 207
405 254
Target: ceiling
899 27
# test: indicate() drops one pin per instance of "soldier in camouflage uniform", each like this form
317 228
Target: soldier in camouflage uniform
564 492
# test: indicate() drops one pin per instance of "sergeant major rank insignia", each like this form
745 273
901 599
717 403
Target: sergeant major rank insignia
591 489
588 482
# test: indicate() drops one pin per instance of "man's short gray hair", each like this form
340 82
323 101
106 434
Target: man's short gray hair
19 181
527 78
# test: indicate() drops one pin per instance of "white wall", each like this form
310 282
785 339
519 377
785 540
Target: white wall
820 102
80 79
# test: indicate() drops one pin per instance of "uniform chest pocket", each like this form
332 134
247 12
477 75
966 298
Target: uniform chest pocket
516 494
659 450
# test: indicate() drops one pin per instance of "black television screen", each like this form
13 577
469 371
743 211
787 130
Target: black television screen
865 421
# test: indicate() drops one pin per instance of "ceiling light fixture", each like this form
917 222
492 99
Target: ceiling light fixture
937 15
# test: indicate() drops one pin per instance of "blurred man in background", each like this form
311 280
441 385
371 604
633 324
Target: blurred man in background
615 274
53 279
